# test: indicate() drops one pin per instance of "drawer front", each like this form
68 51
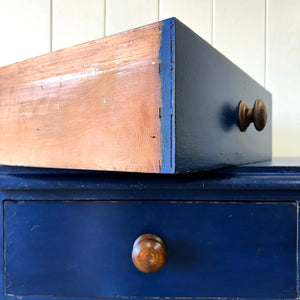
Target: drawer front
208 91
83 249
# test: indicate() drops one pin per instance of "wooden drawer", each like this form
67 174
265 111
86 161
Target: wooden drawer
157 99
83 249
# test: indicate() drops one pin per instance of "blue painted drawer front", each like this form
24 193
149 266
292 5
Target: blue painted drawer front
83 249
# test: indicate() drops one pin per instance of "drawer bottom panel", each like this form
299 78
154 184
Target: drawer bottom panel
83 249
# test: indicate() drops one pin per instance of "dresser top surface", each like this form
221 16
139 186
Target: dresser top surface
279 179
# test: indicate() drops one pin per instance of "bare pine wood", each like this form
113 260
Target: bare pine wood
91 106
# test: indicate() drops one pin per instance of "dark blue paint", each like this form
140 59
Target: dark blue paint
209 88
298 248
277 181
201 91
214 249
167 74
1 252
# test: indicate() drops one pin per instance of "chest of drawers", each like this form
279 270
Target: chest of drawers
231 233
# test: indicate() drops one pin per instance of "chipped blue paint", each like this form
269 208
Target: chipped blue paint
167 76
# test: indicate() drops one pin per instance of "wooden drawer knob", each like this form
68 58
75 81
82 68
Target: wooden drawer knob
148 253
258 115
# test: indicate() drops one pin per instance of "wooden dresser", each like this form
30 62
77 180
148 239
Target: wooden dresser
231 233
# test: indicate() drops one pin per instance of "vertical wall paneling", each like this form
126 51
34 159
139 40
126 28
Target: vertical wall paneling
240 34
24 29
283 74
105 1
193 13
76 21
51 25
260 36
127 14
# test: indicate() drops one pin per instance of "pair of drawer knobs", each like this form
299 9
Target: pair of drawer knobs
258 115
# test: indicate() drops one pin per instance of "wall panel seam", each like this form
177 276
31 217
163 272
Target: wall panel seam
158 9
266 43
51 25
104 27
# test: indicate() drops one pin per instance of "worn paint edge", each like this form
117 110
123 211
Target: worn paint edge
167 112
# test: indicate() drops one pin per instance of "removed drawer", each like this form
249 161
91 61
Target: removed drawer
157 99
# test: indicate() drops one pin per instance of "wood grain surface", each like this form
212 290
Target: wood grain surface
148 253
91 106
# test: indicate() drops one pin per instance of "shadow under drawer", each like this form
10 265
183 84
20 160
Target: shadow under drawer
83 249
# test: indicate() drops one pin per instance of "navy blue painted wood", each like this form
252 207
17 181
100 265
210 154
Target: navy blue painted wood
278 180
270 181
298 248
167 77
213 249
208 90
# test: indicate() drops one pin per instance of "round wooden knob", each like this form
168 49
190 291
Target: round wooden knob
148 253
258 115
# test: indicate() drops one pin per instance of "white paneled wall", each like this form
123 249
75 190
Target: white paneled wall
75 22
239 33
198 15
283 74
128 14
261 36
24 29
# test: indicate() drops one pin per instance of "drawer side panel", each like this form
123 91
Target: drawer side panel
91 106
